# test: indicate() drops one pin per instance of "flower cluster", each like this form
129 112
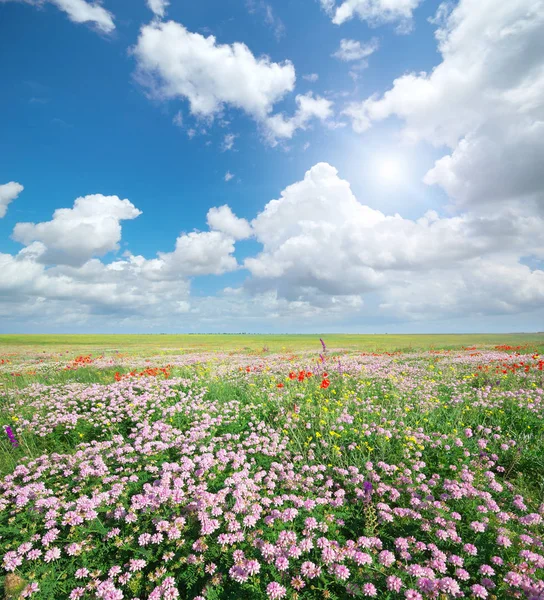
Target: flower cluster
398 476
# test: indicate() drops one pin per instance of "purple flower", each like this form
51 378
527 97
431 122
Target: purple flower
11 436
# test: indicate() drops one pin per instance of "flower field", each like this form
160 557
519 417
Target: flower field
322 474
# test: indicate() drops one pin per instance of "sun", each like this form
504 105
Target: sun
390 170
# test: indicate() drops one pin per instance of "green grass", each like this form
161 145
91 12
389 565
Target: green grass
169 344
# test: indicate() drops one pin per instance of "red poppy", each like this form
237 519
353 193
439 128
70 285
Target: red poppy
325 384
280 385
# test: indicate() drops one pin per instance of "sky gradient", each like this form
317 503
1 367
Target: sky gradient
271 166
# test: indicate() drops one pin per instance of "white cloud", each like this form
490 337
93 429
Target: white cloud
158 7
36 285
8 193
485 100
175 63
229 176
308 108
74 235
328 6
313 77
482 287
228 141
196 253
318 237
178 119
353 50
224 220
374 12
324 255
80 11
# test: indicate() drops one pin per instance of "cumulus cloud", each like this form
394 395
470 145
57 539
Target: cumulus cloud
175 63
80 11
172 62
308 109
374 12
313 77
351 50
8 193
324 254
55 278
228 176
482 287
74 235
158 7
317 236
197 253
485 101
119 290
328 6
224 220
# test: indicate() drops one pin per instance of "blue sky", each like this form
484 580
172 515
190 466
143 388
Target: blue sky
409 110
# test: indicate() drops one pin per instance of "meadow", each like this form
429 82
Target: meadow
269 467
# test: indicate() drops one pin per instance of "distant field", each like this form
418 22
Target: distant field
156 344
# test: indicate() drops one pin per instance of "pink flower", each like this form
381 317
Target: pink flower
275 590
342 572
362 558
513 579
309 570
81 573
12 560
238 573
370 590
449 586
51 555
478 591
386 558
252 567
297 583
30 589
394 583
